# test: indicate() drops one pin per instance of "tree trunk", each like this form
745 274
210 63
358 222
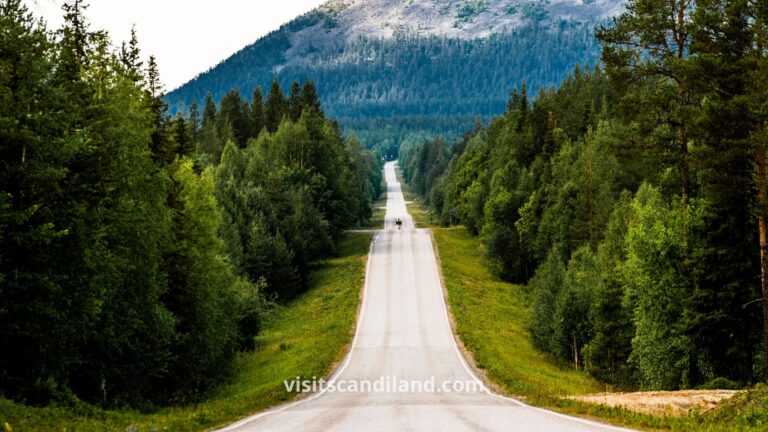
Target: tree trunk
762 200
589 195
762 182
684 182
575 352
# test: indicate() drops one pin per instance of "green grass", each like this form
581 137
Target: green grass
379 208
422 217
303 338
491 318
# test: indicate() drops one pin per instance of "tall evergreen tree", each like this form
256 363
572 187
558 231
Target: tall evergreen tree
233 115
130 57
309 97
295 105
276 107
650 43
257 112
730 70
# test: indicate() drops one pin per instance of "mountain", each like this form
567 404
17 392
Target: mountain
393 70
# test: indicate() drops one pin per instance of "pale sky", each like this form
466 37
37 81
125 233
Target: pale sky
186 36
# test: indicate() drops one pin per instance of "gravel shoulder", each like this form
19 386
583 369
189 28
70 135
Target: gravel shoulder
661 403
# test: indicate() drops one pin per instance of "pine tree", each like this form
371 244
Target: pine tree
209 110
523 107
194 119
730 69
650 43
233 115
34 163
257 113
72 56
607 353
759 93
164 149
295 105
276 107
200 294
74 41
182 135
130 57
210 145
310 99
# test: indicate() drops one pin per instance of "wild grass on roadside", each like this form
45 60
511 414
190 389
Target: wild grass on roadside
422 216
379 207
491 318
303 338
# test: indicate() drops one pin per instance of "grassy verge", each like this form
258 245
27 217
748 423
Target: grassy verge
304 338
491 318
422 217
379 208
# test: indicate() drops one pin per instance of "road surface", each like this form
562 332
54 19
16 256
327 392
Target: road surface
404 371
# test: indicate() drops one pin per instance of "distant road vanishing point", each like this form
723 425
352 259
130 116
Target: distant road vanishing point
404 371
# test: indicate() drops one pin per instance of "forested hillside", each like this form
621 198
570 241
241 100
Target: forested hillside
138 251
417 77
631 199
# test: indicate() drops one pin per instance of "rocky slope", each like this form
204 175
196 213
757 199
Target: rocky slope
417 62
454 18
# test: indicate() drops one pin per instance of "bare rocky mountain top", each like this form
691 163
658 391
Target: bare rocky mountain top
458 18
339 21
464 19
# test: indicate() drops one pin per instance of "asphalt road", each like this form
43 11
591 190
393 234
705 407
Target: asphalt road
404 371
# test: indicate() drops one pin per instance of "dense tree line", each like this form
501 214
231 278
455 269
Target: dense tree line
632 199
138 251
405 79
391 133
287 180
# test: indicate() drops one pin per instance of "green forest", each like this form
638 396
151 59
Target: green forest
632 200
139 251
157 248
418 87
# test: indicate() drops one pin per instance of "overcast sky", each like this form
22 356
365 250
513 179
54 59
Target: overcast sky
186 36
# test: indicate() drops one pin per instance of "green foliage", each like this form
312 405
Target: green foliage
630 198
288 194
606 355
659 281
407 88
492 319
468 10
720 383
289 345
137 249
203 290
545 288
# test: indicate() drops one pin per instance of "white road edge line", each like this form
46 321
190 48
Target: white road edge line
471 373
336 374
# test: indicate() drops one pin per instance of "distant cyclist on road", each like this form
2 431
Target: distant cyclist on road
399 223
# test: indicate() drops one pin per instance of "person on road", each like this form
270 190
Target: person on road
399 223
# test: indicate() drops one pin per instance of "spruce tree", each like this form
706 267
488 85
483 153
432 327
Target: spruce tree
309 97
257 112
650 43
130 57
276 107
295 104
730 70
